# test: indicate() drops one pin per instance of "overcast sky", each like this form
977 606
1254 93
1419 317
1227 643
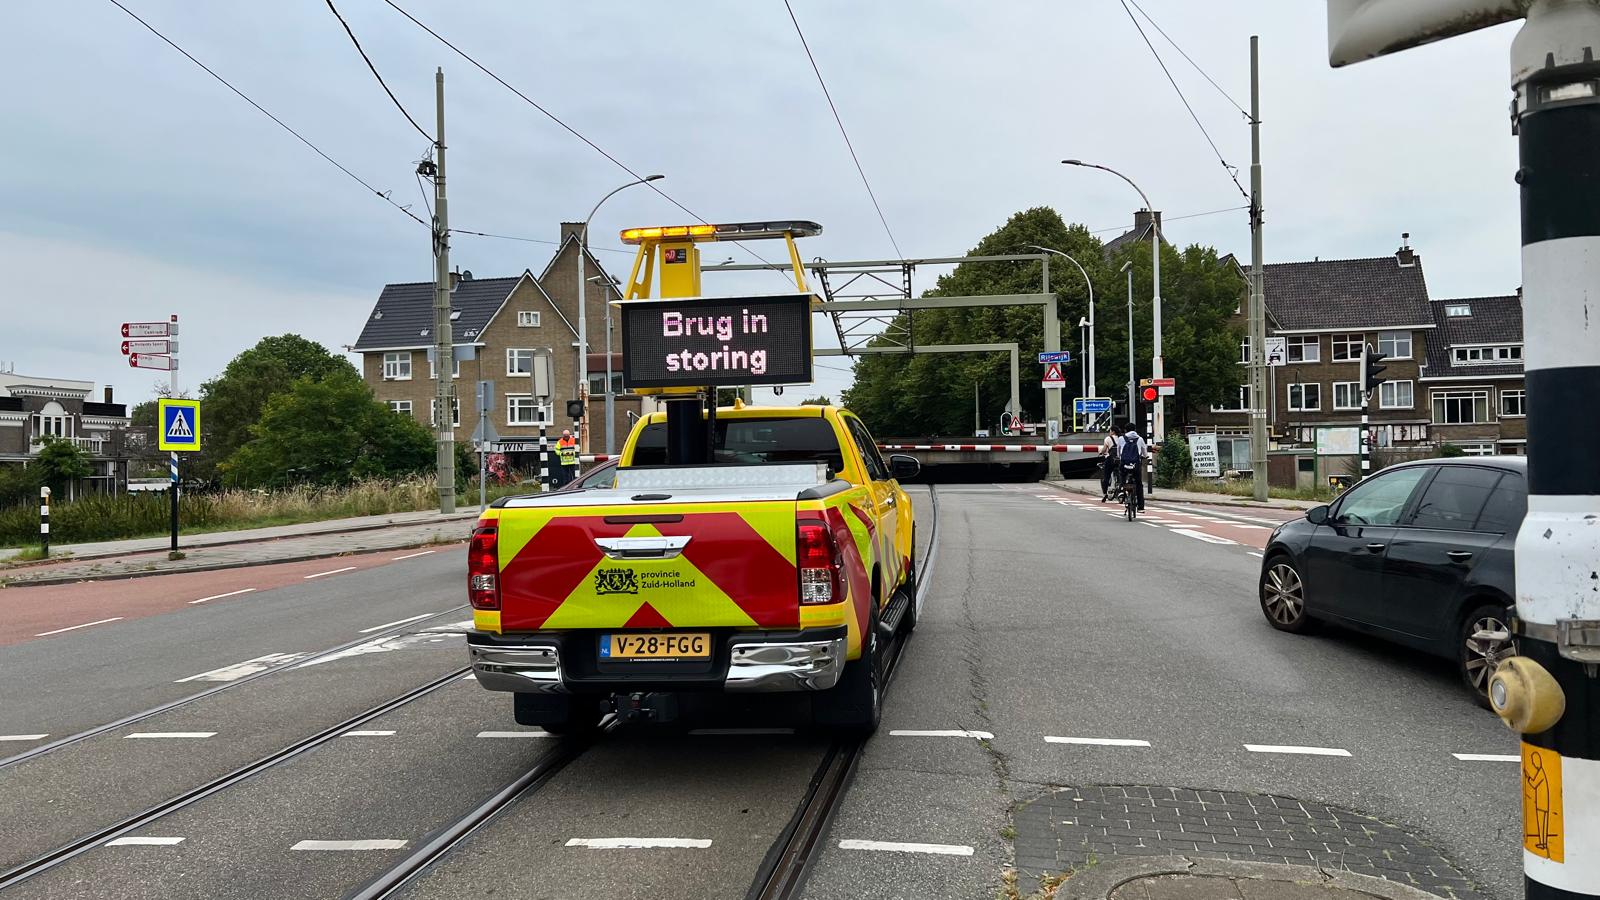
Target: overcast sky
135 186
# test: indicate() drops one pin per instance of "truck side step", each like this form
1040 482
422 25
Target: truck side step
889 622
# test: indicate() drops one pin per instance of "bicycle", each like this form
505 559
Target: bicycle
1130 497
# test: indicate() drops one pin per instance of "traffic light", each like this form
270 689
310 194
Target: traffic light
1150 394
574 409
1370 367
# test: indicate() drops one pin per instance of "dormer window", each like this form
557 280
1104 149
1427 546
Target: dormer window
1458 309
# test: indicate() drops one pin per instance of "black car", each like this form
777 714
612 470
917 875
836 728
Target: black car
1419 554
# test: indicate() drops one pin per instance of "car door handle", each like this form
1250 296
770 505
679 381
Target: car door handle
1376 547
1458 555
643 547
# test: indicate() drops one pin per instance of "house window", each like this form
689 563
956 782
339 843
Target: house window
519 362
527 318
1511 403
1396 395
1476 449
403 407
1241 403
397 366
1460 407
1506 354
1244 352
522 409
597 383
1395 344
1347 395
1305 397
52 422
1347 347
1457 309
455 412
1305 348
455 369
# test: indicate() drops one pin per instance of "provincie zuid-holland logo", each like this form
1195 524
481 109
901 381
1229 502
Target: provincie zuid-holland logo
616 581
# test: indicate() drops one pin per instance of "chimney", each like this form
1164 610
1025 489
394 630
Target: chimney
1141 220
570 229
1405 256
108 393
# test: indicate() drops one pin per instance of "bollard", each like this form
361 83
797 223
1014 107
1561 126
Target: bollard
44 520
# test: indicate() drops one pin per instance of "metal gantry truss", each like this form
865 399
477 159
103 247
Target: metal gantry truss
845 282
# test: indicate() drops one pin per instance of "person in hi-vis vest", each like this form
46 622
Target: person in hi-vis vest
567 456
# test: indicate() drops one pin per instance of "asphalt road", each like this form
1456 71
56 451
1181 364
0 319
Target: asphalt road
1045 619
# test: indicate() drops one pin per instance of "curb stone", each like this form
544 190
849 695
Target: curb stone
1098 881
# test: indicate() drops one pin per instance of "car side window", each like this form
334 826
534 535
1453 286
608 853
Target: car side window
1506 506
1454 498
1380 500
876 470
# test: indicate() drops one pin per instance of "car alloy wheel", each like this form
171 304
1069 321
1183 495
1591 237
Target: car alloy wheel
1486 641
1283 596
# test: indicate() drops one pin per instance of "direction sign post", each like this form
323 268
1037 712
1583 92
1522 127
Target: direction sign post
1053 379
162 346
1055 356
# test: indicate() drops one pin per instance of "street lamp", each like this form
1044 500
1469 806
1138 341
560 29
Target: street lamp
1083 344
1155 267
1127 267
1089 389
583 327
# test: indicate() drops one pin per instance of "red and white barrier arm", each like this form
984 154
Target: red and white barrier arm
985 448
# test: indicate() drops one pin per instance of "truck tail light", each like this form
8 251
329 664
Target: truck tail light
817 558
483 568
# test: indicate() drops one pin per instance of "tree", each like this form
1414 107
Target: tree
236 399
1173 464
143 415
822 400
329 432
61 464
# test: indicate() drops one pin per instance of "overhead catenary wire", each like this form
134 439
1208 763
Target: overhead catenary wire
842 132
381 83
382 195
1166 219
569 129
1233 174
1203 73
512 237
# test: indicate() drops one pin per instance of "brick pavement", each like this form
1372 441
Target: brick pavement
1070 827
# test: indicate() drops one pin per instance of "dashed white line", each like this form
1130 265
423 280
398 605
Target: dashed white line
1254 553
169 734
1287 748
23 737
1202 536
948 732
392 624
1487 757
1101 742
513 734
1147 523
248 667
76 627
367 734
413 555
900 847
144 842
371 844
220 596
634 843
333 572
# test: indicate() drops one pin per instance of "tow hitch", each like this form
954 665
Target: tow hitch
645 707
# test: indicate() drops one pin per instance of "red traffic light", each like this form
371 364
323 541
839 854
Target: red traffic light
1150 394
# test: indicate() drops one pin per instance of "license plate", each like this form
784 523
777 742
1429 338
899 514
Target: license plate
681 645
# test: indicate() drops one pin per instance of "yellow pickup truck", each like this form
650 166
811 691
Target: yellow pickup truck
784 565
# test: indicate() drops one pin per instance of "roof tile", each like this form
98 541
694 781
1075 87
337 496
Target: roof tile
1354 293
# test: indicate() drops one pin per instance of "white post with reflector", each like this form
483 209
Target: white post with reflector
44 520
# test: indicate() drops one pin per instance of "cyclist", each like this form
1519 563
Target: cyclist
1131 454
1108 460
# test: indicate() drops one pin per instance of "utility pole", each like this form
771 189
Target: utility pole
443 336
1133 381
1258 299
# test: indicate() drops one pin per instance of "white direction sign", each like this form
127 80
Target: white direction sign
152 361
1053 379
131 347
149 329
1277 351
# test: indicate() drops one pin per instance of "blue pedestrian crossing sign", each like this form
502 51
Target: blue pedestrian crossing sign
180 424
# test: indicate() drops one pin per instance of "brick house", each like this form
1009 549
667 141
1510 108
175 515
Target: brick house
504 322
33 410
1473 377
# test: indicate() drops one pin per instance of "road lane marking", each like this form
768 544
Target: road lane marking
220 596
1239 516
169 734
372 844
1287 748
76 627
392 624
633 843
248 667
1103 742
413 555
513 734
899 847
23 737
1202 536
949 732
1487 757
144 842
367 734
1254 553
334 572
1147 523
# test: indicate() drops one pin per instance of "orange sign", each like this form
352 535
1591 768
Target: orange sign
1542 819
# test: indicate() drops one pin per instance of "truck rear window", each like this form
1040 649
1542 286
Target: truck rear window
801 439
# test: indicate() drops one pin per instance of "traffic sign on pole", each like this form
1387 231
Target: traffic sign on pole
131 347
180 424
1053 379
149 329
1056 356
152 361
1089 405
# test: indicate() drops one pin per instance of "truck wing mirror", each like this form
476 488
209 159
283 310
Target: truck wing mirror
903 467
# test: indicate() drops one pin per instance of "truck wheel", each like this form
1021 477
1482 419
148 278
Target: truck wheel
558 713
854 706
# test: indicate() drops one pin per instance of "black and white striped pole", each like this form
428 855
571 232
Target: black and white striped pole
1552 693
544 454
44 520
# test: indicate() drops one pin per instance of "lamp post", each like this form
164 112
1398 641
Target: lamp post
1155 268
583 326
1089 388
1083 343
1133 382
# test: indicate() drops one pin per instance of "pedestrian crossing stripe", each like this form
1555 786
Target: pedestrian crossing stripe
179 427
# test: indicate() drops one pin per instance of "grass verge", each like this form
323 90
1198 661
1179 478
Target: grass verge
1245 490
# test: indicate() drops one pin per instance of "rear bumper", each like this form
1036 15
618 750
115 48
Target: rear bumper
743 662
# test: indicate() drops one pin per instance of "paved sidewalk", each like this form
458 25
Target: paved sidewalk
1183 878
432 529
1091 487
